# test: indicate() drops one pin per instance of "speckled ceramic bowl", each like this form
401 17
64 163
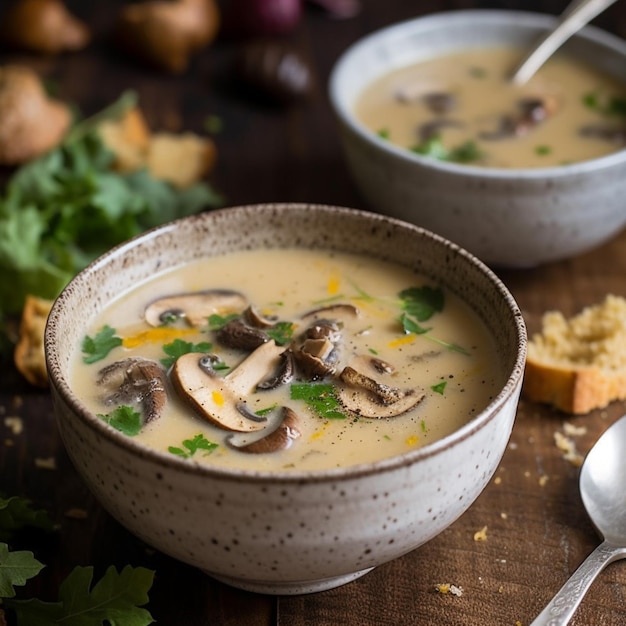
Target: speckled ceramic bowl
290 532
515 218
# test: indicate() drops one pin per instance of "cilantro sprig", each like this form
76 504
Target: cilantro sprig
191 446
178 347
321 398
98 347
125 419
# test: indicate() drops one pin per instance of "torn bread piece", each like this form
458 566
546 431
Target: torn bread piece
579 364
29 351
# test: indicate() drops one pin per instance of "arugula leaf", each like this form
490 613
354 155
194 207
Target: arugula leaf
15 569
116 598
320 397
125 419
17 512
178 347
422 302
191 446
96 348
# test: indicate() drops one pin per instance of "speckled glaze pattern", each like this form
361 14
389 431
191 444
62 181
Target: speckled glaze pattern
286 533
513 218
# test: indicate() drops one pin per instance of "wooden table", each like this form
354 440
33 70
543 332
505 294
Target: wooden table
537 530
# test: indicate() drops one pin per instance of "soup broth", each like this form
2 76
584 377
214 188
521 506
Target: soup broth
425 363
463 108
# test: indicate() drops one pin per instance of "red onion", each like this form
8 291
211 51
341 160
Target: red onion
248 18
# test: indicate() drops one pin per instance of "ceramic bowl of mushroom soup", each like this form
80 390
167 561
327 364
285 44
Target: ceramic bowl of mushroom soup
286 396
435 133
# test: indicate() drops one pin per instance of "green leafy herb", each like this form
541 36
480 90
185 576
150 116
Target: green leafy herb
98 347
409 325
434 148
467 152
543 150
281 332
605 105
178 347
191 446
384 133
125 419
439 387
18 512
69 206
218 321
15 569
269 409
422 302
319 397
116 598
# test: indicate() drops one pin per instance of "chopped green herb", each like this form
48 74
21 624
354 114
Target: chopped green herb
433 148
605 105
373 351
467 152
543 150
98 347
269 409
191 446
477 72
125 419
281 333
439 387
217 321
320 397
178 347
383 133
423 425
411 326
422 302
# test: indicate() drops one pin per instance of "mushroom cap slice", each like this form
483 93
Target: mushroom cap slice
220 399
280 437
338 311
194 307
367 397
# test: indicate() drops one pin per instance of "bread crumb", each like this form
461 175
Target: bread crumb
573 431
445 588
568 446
49 463
504 515
29 352
15 424
543 480
497 480
481 535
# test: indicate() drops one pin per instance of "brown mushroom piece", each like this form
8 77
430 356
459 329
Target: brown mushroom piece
432 129
135 381
255 318
280 437
240 336
194 307
283 375
606 133
335 312
223 400
316 358
366 397
532 111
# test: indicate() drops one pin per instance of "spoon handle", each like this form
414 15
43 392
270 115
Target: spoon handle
576 15
560 609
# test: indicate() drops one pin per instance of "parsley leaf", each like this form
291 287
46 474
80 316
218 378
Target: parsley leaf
320 397
116 598
217 321
411 326
96 348
422 302
178 347
605 105
439 387
281 332
15 569
191 446
125 419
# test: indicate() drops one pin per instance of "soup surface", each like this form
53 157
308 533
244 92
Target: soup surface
463 108
287 360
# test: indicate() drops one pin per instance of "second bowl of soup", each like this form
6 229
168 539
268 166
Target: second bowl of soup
286 396
435 132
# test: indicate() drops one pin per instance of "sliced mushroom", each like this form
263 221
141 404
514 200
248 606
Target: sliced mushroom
283 375
439 102
238 335
367 397
281 437
222 400
606 133
316 358
432 129
254 318
135 381
532 112
194 307
334 311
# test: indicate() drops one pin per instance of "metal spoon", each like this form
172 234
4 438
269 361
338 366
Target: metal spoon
576 15
602 480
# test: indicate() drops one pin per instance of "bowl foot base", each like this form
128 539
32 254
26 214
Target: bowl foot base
289 588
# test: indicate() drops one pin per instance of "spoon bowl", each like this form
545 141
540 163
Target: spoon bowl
602 479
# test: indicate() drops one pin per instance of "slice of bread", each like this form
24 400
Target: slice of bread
579 364
29 352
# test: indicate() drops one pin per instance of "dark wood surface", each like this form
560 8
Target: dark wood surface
537 529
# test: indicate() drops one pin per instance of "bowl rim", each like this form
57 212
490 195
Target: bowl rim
60 385
468 18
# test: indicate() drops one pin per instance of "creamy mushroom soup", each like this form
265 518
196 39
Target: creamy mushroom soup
463 108
287 360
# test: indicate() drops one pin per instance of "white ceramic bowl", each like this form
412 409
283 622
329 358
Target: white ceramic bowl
514 218
290 532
